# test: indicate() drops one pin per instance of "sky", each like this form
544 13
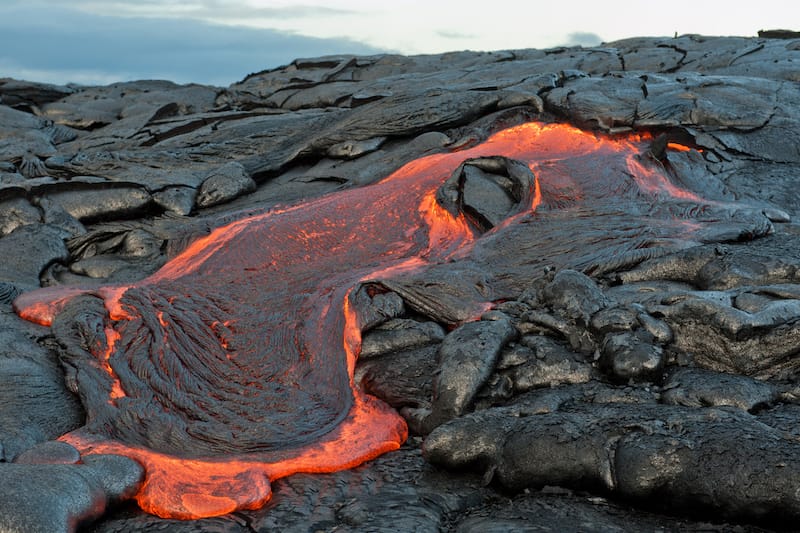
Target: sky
219 42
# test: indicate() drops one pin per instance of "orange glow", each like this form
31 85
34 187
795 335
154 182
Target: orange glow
657 183
444 230
537 190
42 305
296 267
112 336
679 147
197 488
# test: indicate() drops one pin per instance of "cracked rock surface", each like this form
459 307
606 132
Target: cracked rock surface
649 381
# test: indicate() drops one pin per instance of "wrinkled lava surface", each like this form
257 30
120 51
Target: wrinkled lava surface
233 364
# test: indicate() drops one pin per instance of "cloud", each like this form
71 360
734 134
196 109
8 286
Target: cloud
208 10
455 35
50 43
582 38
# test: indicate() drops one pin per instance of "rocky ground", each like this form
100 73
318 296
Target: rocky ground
645 387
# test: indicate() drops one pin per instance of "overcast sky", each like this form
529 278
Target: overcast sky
221 41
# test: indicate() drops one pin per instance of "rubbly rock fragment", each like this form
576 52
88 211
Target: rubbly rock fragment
353 149
540 361
488 190
53 213
632 356
574 296
659 329
616 318
721 337
403 379
376 306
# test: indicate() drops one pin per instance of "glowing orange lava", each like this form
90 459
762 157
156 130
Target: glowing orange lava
253 326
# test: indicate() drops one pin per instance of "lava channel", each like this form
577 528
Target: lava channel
233 364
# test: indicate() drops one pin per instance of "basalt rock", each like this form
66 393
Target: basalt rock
645 267
695 387
224 184
399 335
467 357
630 452
73 494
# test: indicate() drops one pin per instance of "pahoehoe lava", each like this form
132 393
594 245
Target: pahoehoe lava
233 364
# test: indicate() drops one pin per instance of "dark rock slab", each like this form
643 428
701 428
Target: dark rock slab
34 402
632 356
439 293
488 190
101 200
179 200
21 93
54 214
35 405
574 296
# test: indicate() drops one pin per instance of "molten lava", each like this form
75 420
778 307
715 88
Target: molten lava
233 365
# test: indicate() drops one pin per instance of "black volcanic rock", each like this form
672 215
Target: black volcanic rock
61 497
645 360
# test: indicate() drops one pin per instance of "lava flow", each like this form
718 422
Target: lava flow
233 365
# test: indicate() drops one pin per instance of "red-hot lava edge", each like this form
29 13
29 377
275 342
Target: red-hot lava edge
285 333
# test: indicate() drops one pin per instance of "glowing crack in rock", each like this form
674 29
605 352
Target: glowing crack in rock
233 365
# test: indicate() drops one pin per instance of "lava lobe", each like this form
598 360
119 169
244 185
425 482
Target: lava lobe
233 365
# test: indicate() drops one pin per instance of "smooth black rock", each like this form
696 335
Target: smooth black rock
695 387
178 200
399 335
632 356
655 454
487 190
49 452
402 379
467 357
61 498
224 184
16 212
42 243
34 403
